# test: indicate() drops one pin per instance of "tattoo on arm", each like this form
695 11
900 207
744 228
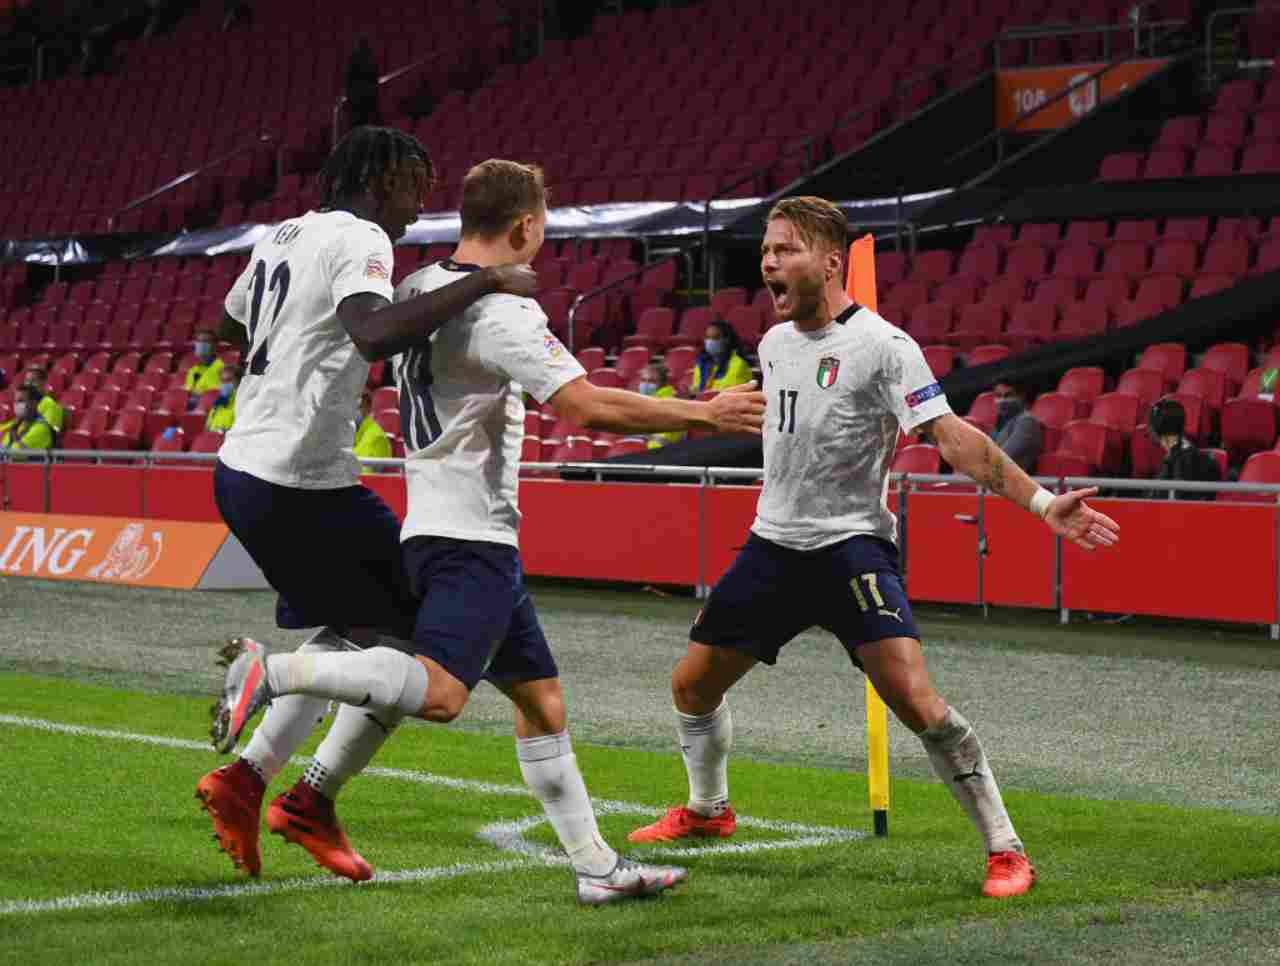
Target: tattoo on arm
995 469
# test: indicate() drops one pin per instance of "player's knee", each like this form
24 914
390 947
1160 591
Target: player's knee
691 694
445 701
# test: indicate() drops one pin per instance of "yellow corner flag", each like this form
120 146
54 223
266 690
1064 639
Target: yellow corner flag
860 285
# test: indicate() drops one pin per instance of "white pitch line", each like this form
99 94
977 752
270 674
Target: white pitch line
507 836
112 900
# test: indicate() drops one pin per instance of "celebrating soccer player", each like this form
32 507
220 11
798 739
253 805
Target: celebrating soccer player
462 417
841 382
316 299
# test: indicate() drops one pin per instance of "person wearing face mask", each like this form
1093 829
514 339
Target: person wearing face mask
720 364
371 441
206 374
1018 433
38 379
654 381
223 414
1167 423
27 430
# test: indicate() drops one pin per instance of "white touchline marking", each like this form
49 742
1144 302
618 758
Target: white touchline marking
506 836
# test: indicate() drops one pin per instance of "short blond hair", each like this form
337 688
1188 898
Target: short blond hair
495 193
814 219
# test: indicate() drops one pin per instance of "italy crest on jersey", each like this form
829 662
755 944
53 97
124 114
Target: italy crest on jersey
828 370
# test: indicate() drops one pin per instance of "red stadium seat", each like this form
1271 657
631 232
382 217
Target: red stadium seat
1027 261
679 360
1200 421
749 323
985 354
1031 324
175 442
693 327
1226 257
1229 358
1209 384
653 329
1147 384
1054 410
1120 167
1055 291
590 358
1087 232
1120 411
1041 233
1100 446
1006 293
1258 468
1187 229
1083 319
630 362
1136 229
982 411
727 299
941 359
930 322
1076 260
957 291
606 378
1168 358
1084 383
981 262
980 324
931 266
206 442
1165 163
917 458
1175 257
1248 426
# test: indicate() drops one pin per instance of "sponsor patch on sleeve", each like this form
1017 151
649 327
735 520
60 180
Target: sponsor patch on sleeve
553 346
375 267
921 396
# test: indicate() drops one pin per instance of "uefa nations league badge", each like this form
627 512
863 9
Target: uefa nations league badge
828 371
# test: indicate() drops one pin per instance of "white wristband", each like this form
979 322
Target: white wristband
1040 502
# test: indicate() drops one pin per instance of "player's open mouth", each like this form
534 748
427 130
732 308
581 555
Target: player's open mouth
778 289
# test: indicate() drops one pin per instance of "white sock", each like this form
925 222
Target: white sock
550 769
289 720
380 678
352 741
958 760
705 741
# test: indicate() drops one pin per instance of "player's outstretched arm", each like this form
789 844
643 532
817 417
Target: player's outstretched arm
381 329
736 410
976 455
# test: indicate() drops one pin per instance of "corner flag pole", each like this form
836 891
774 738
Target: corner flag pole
860 285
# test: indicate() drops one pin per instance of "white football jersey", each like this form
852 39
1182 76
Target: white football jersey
836 400
297 407
462 410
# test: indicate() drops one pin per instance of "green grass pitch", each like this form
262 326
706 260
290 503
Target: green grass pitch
107 859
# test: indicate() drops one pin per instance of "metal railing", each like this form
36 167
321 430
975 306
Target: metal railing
255 145
1238 13
616 283
385 79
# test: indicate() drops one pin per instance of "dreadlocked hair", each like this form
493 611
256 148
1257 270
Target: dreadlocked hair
367 152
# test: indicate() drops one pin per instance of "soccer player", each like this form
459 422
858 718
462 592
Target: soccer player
841 382
462 418
316 299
